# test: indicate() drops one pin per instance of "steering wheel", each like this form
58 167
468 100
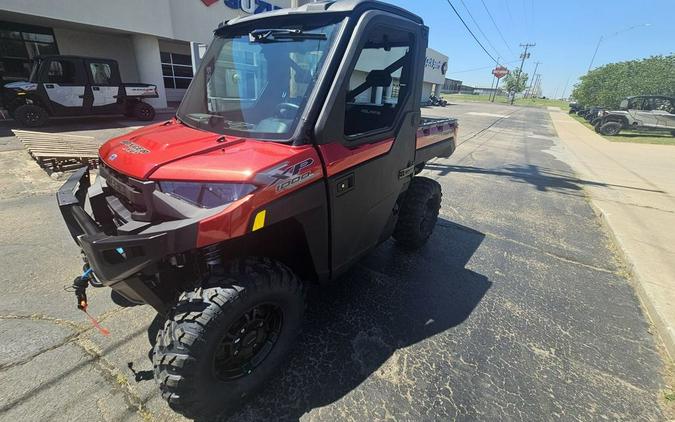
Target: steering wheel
283 108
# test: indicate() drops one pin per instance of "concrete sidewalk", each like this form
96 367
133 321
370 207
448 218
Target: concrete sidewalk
633 188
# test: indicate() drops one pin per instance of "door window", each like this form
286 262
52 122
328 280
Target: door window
101 74
662 104
378 83
64 72
637 104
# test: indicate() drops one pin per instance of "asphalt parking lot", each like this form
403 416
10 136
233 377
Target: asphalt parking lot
517 309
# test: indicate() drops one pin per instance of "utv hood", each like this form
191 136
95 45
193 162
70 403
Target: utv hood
141 152
174 151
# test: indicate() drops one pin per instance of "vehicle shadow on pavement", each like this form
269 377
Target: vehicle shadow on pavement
356 326
542 179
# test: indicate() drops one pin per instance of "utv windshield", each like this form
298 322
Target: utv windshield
255 83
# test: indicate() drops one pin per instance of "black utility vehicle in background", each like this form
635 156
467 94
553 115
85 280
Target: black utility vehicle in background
75 86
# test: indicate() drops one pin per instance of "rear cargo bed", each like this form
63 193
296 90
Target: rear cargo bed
435 138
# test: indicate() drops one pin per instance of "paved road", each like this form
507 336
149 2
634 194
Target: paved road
518 308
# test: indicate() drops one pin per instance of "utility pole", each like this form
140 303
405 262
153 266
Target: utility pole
537 84
565 89
536 66
523 56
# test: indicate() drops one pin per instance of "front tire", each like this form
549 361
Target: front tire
611 128
418 213
221 343
31 115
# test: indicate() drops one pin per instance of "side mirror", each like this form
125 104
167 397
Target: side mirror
624 105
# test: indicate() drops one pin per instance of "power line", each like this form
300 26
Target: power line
471 32
480 30
483 68
496 27
508 10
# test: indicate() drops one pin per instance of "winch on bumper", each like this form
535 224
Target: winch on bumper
124 253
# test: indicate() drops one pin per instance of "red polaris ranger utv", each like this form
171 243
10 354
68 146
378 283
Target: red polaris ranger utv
292 155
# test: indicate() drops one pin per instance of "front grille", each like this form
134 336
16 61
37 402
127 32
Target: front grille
135 195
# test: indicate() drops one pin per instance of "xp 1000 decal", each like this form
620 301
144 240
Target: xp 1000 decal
286 176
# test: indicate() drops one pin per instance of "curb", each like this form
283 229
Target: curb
664 331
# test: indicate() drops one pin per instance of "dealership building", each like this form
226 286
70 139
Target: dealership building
154 41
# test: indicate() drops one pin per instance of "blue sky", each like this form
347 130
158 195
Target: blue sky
565 31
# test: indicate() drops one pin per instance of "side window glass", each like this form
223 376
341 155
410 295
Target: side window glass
378 84
662 104
101 73
63 72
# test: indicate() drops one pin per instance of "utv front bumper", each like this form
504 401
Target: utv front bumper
124 262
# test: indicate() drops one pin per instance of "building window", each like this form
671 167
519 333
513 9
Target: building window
19 44
177 70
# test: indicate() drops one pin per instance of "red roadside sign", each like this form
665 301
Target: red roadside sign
500 72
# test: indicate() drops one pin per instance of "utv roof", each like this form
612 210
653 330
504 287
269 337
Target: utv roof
650 96
342 6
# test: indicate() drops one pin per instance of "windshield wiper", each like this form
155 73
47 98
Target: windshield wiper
273 35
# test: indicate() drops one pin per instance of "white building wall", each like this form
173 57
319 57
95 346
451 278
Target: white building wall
146 50
185 20
96 44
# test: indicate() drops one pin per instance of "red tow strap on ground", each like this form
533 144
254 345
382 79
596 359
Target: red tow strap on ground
98 326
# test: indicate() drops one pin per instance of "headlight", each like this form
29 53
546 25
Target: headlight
207 195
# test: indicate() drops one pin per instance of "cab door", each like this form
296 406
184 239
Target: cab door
664 109
643 112
64 82
105 83
366 132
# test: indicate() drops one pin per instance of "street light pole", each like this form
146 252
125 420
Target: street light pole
603 37
595 53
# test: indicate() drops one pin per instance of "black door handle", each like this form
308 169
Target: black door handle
81 96
345 184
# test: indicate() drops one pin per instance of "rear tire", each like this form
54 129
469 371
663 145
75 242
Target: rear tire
221 343
418 214
31 115
144 112
611 128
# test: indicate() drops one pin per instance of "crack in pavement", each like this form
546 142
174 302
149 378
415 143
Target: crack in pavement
79 330
532 247
116 379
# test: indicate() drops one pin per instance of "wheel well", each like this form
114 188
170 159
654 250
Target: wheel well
284 241
617 119
23 100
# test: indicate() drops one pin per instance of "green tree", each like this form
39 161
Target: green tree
606 86
516 81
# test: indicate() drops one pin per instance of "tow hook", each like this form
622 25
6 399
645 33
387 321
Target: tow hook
80 285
